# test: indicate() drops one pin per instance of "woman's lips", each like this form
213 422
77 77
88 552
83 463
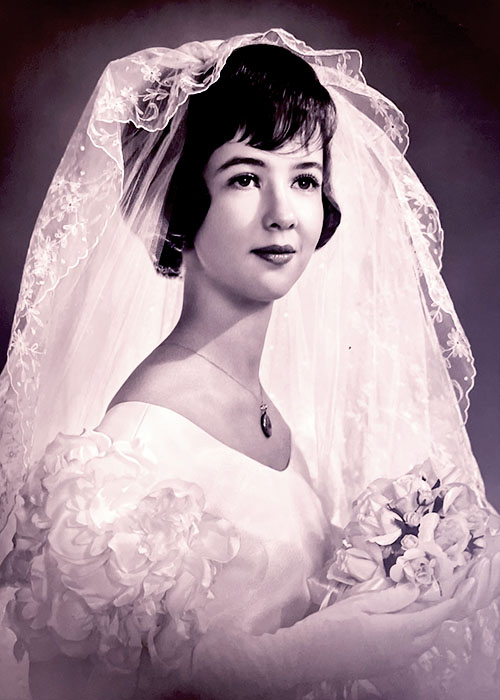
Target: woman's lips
275 254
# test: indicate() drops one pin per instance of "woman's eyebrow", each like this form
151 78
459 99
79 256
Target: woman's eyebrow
240 160
255 162
308 165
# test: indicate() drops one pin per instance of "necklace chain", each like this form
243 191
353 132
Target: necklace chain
265 421
221 369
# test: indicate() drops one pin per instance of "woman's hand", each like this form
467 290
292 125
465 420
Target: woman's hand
390 633
360 637
484 577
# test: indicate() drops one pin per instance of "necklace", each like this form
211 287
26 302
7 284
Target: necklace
265 421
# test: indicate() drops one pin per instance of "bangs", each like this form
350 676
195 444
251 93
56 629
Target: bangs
269 121
266 96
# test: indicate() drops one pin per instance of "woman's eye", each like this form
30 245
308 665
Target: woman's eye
307 182
244 181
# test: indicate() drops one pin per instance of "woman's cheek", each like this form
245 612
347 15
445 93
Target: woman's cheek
315 226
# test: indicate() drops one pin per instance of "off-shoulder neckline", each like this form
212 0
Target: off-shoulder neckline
204 432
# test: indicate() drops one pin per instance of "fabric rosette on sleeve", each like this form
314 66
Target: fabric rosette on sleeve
108 552
412 529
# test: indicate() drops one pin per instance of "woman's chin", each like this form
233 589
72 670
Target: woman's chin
270 290
271 287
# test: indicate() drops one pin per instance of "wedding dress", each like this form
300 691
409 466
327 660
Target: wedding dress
365 357
279 541
276 537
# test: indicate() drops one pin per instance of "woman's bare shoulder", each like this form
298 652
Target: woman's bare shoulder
162 378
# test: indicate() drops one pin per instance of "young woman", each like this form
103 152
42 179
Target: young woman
169 550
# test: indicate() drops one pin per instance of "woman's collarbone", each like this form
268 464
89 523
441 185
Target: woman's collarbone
216 405
236 422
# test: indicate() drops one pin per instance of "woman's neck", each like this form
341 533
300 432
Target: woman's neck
229 331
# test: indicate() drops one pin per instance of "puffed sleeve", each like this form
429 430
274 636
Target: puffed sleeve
107 554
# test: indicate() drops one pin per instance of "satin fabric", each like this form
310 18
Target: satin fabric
277 515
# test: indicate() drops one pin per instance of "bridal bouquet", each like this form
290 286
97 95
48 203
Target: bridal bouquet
409 529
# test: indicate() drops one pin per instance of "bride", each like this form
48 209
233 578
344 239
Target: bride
244 392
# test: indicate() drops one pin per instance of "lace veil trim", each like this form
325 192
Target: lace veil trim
366 356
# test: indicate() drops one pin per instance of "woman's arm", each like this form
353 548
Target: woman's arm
360 637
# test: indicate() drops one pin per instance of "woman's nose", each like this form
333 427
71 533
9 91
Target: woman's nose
279 214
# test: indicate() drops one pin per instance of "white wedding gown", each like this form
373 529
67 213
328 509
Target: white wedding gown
277 515
283 541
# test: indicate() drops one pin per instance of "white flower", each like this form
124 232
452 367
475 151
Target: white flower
452 535
70 202
409 542
121 551
58 184
426 565
19 346
151 73
109 102
477 521
44 256
413 518
74 229
379 106
393 128
129 94
456 344
353 565
415 566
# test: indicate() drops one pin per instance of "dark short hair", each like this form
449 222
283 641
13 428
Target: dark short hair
266 95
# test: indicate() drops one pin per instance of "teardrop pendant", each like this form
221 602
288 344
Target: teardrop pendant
265 421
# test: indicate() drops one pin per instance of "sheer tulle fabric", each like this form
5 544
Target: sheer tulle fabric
365 357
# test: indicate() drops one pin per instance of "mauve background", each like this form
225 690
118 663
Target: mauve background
438 61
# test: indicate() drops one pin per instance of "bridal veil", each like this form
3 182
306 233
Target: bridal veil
365 357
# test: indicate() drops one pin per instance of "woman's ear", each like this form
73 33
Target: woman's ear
185 208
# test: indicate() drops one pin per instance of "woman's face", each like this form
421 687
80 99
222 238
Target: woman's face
264 220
